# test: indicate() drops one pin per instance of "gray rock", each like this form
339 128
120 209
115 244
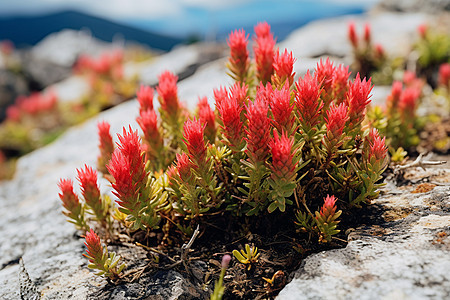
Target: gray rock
428 6
404 257
63 48
183 61
11 86
41 73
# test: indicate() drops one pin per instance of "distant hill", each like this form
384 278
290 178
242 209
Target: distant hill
29 30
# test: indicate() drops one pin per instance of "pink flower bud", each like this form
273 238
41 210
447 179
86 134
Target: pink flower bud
226 261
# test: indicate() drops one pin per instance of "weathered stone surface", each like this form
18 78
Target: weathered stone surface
404 257
183 61
429 6
63 48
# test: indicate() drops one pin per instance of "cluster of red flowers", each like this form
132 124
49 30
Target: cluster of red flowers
32 105
107 64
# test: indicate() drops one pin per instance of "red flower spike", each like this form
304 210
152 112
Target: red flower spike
124 189
283 165
206 116
408 102
258 130
239 91
194 140
184 167
230 115
148 121
444 75
329 207
106 146
367 34
130 145
324 74
280 104
283 66
262 30
264 52
90 190
239 61
145 98
352 35
219 95
378 149
265 92
375 149
340 82
337 116
307 100
394 98
168 93
68 197
94 247
358 98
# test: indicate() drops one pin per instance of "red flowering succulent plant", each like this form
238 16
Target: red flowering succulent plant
398 120
277 147
368 57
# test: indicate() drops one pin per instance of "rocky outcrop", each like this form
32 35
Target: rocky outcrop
405 256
